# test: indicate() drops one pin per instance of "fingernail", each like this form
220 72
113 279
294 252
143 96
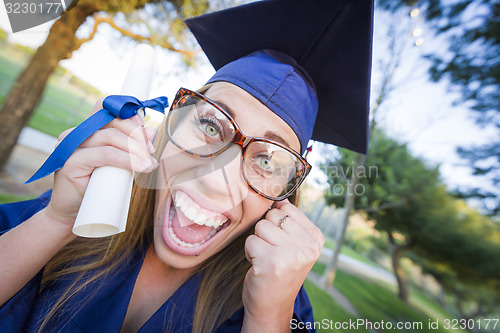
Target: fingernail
139 120
151 147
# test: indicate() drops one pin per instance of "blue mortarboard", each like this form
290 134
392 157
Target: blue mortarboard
300 58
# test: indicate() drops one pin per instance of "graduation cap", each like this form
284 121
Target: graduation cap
309 61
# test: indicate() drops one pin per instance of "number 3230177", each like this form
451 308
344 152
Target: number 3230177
468 324
33 8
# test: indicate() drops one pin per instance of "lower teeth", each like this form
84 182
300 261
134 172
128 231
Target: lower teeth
183 243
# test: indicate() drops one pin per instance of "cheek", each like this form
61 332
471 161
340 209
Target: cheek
254 209
174 161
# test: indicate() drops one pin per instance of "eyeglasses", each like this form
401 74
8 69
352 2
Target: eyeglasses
201 128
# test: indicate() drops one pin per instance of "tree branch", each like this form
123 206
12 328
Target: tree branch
109 20
92 33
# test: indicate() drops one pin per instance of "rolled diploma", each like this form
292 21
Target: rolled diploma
105 205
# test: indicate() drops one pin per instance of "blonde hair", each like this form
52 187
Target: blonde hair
221 286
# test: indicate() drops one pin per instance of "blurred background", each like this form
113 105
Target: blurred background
412 228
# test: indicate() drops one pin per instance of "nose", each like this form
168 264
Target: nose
222 178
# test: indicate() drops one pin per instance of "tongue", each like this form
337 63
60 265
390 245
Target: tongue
189 232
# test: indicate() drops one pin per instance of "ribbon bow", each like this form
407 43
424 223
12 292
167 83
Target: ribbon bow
114 106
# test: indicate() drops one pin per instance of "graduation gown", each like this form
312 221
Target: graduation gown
103 304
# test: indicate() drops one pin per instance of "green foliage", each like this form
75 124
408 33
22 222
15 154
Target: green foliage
391 177
464 241
471 65
452 242
163 23
3 34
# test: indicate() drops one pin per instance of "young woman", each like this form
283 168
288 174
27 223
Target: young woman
213 242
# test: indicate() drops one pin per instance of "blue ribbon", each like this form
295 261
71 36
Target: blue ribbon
114 106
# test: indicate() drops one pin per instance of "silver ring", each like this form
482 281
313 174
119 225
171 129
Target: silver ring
282 221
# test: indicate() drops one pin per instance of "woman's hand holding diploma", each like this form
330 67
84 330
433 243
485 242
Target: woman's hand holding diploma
284 248
25 249
123 143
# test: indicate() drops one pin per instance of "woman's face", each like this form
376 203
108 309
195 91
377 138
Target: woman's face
212 189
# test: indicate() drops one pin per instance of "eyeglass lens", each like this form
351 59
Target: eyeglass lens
200 128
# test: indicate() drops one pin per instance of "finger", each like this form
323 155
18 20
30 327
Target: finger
296 223
127 126
97 106
255 248
288 208
278 204
268 231
281 219
116 138
87 159
277 216
132 127
287 226
150 133
64 134
304 242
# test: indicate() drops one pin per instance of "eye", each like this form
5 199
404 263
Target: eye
210 130
265 162
211 127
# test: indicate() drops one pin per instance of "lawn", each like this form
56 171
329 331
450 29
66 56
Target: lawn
7 198
376 303
325 308
60 108
329 243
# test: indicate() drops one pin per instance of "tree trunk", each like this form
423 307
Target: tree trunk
315 219
28 88
349 197
396 251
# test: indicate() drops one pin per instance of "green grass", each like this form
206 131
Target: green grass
7 198
376 303
428 306
59 109
327 310
329 243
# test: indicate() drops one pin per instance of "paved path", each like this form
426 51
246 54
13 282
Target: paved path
31 151
359 268
354 267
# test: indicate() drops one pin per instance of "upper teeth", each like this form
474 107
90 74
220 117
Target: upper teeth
196 213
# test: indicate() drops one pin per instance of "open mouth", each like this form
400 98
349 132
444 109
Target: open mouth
189 228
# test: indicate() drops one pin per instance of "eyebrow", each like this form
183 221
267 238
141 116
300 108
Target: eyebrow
225 107
275 137
268 135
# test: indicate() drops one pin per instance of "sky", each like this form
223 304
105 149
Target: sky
417 112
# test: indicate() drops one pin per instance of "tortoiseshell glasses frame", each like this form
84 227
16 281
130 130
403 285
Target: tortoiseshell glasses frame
240 139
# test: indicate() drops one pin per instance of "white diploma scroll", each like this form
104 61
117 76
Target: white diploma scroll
104 208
